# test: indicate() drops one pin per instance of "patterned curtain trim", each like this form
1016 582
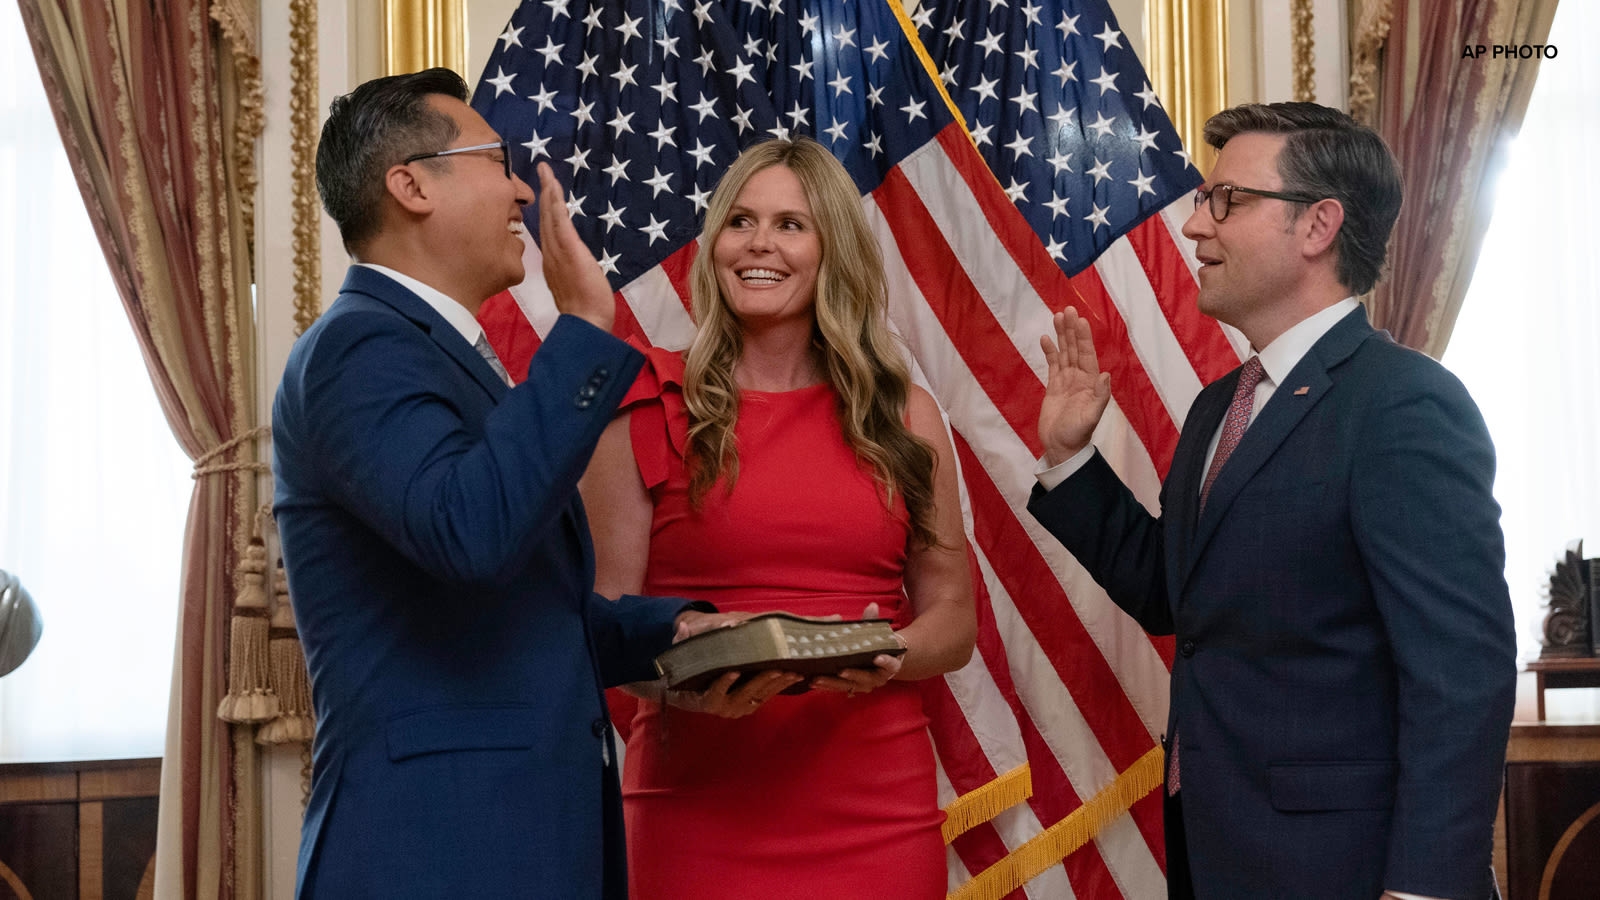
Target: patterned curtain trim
143 93
1372 30
1449 121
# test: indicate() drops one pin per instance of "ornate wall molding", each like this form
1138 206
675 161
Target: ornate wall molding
303 143
1371 28
420 34
1187 57
1305 51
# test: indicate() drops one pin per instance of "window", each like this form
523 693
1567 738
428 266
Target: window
1527 343
94 489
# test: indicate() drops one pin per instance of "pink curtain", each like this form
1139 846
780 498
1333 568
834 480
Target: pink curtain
158 104
1448 118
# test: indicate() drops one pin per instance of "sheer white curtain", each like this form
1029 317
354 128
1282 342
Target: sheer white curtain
1527 343
93 487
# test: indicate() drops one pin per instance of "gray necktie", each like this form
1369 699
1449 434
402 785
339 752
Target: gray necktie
488 354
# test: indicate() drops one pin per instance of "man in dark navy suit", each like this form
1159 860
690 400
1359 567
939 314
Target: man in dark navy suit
1328 553
436 548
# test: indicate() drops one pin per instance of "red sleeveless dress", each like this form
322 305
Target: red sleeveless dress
815 796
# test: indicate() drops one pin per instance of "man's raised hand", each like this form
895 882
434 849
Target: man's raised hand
1076 393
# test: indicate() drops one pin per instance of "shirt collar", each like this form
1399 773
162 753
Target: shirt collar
1280 357
452 311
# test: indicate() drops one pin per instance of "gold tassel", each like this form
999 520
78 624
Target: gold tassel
1055 843
295 722
250 697
978 806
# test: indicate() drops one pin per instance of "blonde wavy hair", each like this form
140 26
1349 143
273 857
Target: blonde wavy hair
859 355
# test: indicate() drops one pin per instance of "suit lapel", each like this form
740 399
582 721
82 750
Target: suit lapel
1299 393
362 280
1188 464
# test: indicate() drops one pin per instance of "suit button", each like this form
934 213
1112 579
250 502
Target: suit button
1187 649
583 403
602 373
598 726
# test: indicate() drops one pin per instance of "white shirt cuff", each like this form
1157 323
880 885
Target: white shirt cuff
1050 476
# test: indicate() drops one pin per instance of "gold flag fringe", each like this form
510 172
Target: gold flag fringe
250 697
295 722
978 806
1052 845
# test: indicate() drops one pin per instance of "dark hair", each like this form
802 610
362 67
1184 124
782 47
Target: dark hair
1329 154
372 128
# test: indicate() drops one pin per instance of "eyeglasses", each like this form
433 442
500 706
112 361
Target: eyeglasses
1224 193
503 145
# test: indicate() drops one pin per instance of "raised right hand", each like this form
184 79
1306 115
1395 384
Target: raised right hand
570 270
1076 394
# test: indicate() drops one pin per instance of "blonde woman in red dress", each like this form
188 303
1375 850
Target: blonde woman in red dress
786 462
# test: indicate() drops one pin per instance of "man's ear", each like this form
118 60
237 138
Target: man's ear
1323 221
414 194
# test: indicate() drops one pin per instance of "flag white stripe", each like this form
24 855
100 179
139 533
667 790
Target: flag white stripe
1009 463
661 315
533 295
978 249
1159 352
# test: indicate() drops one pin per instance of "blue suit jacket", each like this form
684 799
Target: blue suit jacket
441 571
1346 660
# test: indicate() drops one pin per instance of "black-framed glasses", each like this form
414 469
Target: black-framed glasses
503 145
1221 197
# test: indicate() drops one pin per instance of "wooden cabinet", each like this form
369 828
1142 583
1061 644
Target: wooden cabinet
78 829
1548 838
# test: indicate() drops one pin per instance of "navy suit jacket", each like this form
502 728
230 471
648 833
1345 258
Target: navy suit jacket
1345 666
441 571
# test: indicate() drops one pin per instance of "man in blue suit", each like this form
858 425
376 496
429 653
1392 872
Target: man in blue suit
437 552
1328 553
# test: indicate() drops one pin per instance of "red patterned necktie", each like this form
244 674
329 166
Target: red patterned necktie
1237 420
1233 426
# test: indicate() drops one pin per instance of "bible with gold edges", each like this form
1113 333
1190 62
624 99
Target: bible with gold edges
777 641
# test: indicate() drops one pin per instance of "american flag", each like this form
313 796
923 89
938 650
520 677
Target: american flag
1013 160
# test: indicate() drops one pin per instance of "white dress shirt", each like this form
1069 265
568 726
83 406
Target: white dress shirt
452 311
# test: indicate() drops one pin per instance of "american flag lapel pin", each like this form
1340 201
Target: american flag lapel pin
1302 391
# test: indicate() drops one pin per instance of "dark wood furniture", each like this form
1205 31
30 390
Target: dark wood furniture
78 829
1563 672
1549 828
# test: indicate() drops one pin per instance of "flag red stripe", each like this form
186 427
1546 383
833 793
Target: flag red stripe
1053 796
967 767
1011 555
983 343
509 333
676 268
627 326
1043 605
1202 340
1130 384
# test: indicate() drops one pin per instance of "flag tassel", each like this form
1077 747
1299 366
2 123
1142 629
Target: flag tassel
980 805
1058 841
